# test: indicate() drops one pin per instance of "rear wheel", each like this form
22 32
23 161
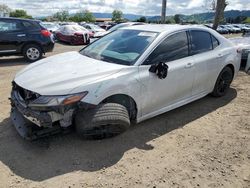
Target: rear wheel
106 120
223 82
32 52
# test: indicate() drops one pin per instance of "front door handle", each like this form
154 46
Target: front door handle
189 65
21 35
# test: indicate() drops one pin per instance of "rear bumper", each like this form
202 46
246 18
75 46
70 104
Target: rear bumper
48 47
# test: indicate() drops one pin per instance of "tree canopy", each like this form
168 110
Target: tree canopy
61 15
117 15
19 13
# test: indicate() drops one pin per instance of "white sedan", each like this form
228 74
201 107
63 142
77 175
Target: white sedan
131 74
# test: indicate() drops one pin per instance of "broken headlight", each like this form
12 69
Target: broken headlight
50 101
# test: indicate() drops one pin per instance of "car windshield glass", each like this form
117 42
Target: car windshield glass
118 27
95 26
78 28
120 47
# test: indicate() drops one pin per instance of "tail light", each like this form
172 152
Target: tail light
45 33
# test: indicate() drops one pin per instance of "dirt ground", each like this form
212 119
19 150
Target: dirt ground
203 144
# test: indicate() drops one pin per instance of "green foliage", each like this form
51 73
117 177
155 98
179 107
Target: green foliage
61 16
82 16
247 20
117 15
88 16
142 19
20 14
177 18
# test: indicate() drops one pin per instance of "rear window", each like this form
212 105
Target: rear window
200 42
31 25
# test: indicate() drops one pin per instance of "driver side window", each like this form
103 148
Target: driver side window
172 48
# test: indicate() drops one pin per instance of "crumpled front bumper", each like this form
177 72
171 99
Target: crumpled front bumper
31 124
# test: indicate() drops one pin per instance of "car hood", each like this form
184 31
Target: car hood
62 73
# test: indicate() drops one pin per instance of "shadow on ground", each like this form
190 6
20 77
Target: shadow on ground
12 61
62 154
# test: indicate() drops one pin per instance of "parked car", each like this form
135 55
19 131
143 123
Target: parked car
24 37
132 74
222 30
106 25
118 26
242 27
52 27
232 29
95 29
244 44
73 34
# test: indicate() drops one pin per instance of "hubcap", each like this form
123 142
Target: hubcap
33 53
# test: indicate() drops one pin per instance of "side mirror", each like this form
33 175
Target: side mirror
160 69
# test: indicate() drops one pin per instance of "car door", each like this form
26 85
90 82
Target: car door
12 36
159 94
202 45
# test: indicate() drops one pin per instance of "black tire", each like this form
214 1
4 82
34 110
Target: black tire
32 52
223 82
106 120
88 41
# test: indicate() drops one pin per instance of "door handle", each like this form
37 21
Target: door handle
189 65
21 35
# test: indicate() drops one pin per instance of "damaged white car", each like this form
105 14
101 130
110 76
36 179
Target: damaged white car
131 74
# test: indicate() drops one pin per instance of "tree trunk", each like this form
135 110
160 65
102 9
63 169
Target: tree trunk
163 11
219 13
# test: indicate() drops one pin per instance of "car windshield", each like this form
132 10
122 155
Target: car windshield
120 47
118 26
95 26
48 25
78 28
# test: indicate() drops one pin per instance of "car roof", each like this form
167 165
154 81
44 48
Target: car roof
160 28
21 19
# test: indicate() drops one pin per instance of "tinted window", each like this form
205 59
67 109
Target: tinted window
30 25
200 42
9 26
215 42
172 48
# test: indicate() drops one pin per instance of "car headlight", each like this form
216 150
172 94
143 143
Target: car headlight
58 100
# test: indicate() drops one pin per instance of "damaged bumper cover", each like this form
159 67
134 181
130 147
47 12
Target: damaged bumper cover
33 122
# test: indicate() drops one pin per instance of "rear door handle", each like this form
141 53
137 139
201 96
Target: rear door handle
189 65
21 35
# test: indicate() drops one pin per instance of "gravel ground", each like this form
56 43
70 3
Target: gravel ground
203 144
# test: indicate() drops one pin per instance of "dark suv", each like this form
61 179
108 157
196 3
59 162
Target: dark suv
24 37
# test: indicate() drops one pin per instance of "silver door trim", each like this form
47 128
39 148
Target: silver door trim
2 51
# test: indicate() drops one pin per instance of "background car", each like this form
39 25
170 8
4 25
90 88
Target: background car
232 29
118 26
95 29
73 34
222 30
52 27
24 37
